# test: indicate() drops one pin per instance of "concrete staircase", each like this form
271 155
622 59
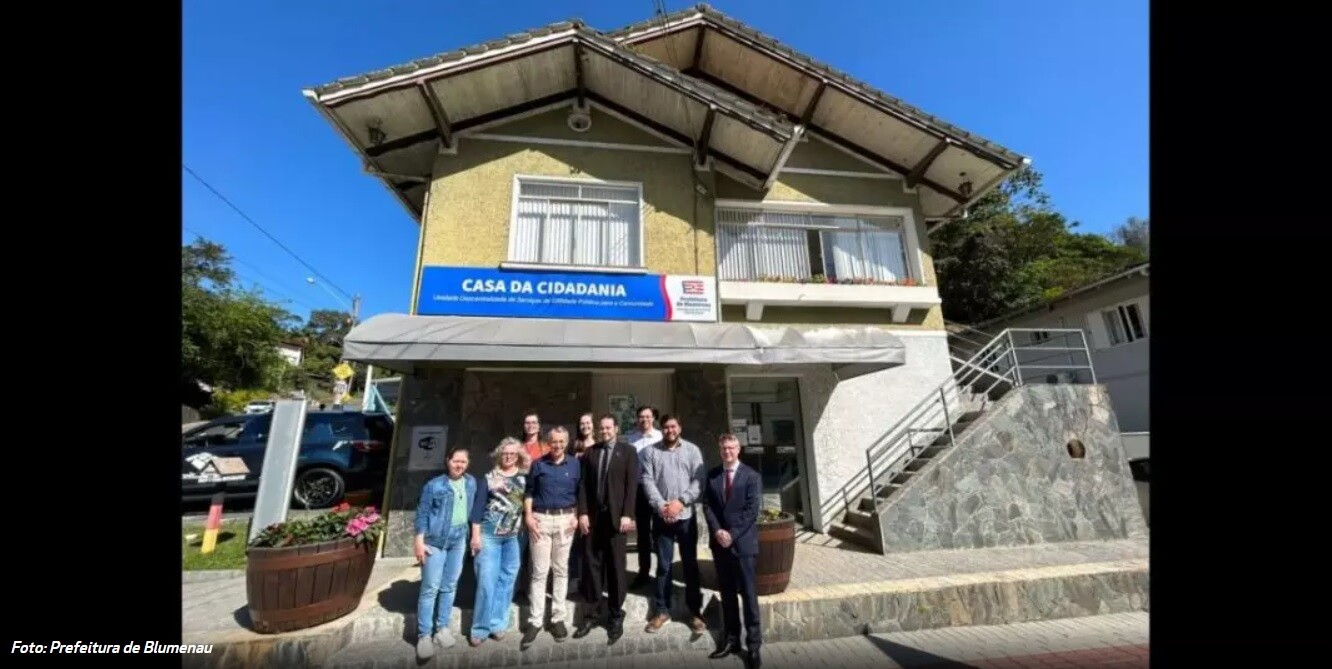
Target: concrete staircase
984 372
860 524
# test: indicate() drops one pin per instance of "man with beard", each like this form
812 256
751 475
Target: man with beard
673 480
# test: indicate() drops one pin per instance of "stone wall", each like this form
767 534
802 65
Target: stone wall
1011 480
432 399
700 402
493 404
479 408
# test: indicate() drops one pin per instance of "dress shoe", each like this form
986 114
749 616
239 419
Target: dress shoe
728 648
585 627
615 630
755 660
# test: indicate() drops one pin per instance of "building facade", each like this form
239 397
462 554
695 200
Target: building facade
1115 313
682 213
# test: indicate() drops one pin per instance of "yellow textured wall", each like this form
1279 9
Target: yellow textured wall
471 197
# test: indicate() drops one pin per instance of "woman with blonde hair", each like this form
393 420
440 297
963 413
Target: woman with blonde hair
502 538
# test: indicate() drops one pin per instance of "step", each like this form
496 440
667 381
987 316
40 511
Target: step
866 505
918 464
889 490
935 450
861 519
393 653
902 477
855 535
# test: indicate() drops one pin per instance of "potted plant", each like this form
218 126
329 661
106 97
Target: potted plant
776 536
308 571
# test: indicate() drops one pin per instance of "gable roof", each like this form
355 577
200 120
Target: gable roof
717 104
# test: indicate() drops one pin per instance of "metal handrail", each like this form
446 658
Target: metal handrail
997 360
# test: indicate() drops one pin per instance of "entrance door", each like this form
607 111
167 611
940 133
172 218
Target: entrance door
765 413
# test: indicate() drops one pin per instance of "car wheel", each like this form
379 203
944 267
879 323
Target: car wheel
319 488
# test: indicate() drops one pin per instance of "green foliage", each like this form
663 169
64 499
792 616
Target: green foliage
1014 249
365 525
231 402
772 515
322 335
229 336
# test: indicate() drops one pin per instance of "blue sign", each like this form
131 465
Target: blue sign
485 291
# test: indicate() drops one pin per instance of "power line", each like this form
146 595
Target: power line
251 221
268 282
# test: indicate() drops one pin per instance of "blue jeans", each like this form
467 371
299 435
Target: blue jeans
682 533
439 581
496 572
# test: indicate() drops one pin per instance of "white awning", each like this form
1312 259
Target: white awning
399 342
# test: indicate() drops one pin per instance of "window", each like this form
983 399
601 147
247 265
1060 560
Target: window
222 434
1123 324
562 223
778 246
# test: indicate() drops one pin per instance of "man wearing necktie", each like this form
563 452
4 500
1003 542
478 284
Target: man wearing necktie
606 499
731 504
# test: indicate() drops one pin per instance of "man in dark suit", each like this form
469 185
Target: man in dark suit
606 501
731 503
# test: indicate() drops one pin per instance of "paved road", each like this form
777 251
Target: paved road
1117 641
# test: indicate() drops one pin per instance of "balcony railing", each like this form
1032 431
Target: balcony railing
812 249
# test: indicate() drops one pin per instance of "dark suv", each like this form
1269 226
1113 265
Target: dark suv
340 451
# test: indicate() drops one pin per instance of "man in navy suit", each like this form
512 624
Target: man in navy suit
731 505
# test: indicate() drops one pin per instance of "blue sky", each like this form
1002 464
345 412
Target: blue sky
1062 82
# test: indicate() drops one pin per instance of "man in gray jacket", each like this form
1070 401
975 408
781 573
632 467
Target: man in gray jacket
672 479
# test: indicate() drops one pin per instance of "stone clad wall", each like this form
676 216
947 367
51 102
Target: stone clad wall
479 408
433 399
1011 480
700 402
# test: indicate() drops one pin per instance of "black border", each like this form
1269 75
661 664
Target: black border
1239 387
1239 390
93 550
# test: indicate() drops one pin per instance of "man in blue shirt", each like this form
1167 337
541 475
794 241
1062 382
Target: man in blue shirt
550 509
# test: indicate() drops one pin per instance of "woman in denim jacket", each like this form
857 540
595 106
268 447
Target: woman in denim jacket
502 535
450 504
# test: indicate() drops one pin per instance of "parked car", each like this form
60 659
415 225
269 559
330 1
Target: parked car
259 406
340 451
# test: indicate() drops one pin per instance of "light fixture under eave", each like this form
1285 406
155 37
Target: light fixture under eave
375 133
964 188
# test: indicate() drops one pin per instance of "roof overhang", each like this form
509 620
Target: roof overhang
397 120
950 166
400 342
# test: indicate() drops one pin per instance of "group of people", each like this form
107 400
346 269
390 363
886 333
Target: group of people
570 501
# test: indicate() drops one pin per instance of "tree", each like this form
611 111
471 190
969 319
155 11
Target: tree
1014 249
229 336
322 335
1133 233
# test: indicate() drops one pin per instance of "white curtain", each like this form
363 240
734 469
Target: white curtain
564 224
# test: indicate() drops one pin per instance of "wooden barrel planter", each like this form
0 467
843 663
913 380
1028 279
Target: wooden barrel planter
302 586
776 554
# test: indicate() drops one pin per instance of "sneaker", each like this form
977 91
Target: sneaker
498 636
656 622
475 641
528 637
425 647
559 631
444 639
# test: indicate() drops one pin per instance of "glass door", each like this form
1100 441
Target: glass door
765 414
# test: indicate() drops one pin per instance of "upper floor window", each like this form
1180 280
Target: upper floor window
589 224
1123 324
756 245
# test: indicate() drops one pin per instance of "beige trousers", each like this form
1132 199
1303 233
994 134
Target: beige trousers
550 552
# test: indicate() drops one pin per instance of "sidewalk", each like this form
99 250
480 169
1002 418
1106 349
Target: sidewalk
1115 641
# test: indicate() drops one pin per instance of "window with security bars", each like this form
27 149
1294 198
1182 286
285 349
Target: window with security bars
1123 324
562 223
756 245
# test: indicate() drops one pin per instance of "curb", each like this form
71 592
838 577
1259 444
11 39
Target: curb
200 575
